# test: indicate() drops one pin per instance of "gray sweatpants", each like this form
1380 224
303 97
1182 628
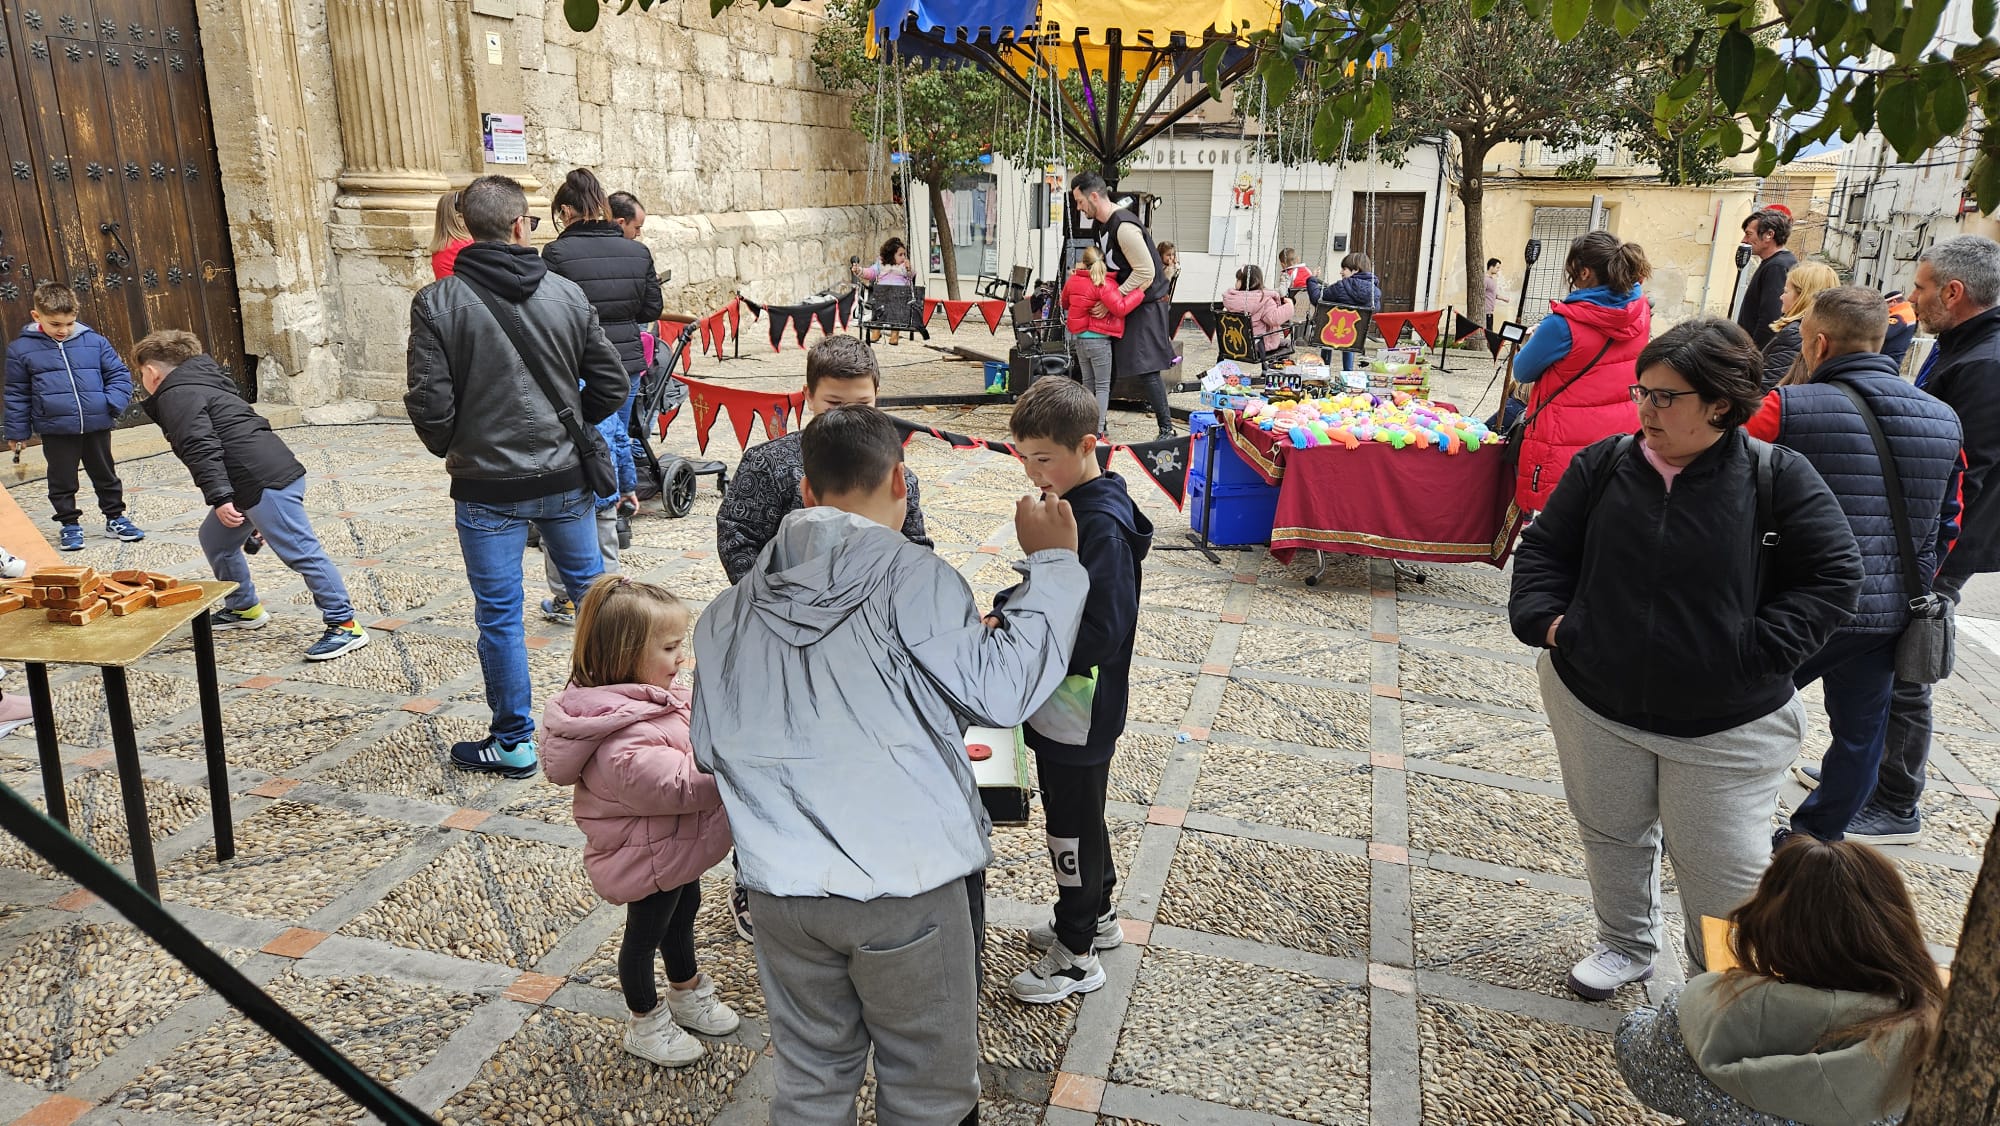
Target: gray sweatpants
1710 798
840 975
1093 357
607 546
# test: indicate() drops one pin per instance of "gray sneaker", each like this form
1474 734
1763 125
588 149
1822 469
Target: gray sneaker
1875 825
1041 936
1056 975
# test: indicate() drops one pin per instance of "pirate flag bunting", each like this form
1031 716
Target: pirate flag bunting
1165 461
1463 328
800 318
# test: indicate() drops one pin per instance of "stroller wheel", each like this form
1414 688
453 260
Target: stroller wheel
677 488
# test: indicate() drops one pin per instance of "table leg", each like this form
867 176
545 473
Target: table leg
211 738
131 786
45 743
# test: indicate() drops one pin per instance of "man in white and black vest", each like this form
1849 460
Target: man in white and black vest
1145 350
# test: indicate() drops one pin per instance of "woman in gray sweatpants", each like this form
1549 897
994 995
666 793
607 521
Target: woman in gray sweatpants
1677 579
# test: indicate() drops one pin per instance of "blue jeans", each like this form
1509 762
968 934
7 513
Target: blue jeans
1859 673
492 538
281 515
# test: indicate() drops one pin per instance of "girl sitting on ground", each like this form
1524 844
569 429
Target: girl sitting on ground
1832 1004
1091 332
652 823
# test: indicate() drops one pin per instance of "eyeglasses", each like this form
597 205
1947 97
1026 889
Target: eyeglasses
1661 399
534 221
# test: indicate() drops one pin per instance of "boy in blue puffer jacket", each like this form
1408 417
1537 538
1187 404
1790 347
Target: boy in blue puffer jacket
67 384
557 607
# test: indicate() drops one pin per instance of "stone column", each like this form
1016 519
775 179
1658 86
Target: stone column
385 58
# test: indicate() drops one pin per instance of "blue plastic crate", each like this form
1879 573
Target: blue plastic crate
1230 468
1241 515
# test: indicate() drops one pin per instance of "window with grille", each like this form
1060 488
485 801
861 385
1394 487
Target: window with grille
1542 154
1855 204
1303 219
1557 227
1182 215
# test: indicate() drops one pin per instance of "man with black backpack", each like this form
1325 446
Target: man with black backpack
509 374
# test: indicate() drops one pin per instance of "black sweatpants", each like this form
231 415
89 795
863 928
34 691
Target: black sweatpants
62 452
662 923
1079 847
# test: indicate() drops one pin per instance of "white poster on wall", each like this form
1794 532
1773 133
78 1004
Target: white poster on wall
505 138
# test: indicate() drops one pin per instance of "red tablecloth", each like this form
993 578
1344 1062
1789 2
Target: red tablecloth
1418 505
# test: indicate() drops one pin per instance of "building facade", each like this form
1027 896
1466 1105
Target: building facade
268 170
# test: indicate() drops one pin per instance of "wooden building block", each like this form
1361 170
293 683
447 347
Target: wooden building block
80 617
131 576
67 603
126 603
176 595
162 582
74 578
11 602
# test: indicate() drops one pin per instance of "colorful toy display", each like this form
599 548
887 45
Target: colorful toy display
1398 419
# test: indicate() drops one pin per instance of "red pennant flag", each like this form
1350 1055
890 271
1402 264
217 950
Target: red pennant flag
1343 328
930 308
1426 324
954 313
735 311
704 414
992 311
1390 325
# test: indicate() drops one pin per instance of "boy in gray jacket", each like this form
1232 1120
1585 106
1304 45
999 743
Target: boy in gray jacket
835 684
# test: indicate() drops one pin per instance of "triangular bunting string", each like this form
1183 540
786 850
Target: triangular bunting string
802 320
930 308
741 415
1463 328
1165 463
826 317
954 313
1494 343
1426 324
735 311
1208 320
991 312
704 417
846 307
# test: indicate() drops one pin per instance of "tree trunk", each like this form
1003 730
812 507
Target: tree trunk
1472 193
1960 1084
941 230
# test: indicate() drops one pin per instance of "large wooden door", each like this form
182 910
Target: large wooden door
111 181
1389 227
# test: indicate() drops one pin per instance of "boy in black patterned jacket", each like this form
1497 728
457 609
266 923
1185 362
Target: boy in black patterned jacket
840 371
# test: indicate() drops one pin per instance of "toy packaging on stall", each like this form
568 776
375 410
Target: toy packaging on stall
1405 370
1397 419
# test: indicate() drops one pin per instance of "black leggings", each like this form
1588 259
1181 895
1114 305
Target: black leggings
663 922
1156 396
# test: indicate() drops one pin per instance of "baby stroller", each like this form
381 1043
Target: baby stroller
660 392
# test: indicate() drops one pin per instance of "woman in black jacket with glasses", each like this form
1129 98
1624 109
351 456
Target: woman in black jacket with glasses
1675 604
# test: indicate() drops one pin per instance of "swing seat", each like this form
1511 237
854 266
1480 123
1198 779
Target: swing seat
892 308
1237 339
1010 289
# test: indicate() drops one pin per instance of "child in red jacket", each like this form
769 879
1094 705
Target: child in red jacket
1094 313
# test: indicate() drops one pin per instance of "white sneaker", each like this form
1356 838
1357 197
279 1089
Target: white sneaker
698 1009
1041 936
1056 975
1599 976
12 566
657 1039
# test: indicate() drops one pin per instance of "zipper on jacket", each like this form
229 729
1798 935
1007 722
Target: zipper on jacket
1652 603
62 349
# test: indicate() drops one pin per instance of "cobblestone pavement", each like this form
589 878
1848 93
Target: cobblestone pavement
1350 893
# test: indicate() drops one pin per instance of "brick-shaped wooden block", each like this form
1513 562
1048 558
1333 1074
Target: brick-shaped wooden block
81 617
126 603
71 577
131 576
175 596
72 600
11 602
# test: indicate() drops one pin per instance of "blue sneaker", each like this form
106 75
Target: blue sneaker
494 757
337 641
72 538
122 528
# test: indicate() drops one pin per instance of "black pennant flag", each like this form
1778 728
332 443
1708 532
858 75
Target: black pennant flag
1463 327
1164 461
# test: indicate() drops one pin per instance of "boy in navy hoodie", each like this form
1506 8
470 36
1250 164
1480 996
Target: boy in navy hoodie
66 383
1074 734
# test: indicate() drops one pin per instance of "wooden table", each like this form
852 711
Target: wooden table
112 644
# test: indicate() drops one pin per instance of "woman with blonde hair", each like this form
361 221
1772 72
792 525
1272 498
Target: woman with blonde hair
448 236
1806 281
1089 288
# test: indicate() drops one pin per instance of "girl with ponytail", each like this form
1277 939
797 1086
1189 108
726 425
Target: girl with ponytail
1087 289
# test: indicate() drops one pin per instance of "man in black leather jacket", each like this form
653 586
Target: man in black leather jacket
1957 295
512 463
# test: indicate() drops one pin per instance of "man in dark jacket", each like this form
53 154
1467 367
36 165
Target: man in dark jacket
1766 232
1957 295
251 482
1145 352
511 460
1841 340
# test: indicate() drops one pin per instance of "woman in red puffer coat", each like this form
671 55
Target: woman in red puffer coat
1577 368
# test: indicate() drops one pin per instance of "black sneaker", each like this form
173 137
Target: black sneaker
739 905
1878 826
491 756
1807 774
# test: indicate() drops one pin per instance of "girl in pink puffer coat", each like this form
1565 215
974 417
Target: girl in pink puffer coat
652 823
